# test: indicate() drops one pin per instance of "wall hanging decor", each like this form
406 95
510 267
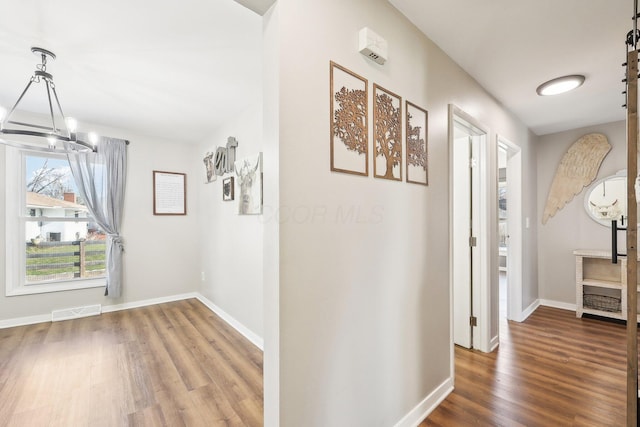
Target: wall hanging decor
416 144
209 169
249 173
387 134
220 161
577 169
349 121
227 189
169 193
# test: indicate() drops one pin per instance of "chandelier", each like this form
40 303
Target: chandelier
44 137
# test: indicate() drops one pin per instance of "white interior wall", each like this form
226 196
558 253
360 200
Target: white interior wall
571 228
231 245
161 252
364 302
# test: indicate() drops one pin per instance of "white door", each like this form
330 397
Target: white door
469 231
462 256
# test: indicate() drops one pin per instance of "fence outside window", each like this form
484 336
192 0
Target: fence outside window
79 259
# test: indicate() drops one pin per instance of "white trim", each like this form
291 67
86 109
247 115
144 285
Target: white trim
495 342
235 324
486 170
528 311
514 225
23 321
558 304
424 408
147 302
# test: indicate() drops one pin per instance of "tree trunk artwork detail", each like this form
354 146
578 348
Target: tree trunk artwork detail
349 121
387 133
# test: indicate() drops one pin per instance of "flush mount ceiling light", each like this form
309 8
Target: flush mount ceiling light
38 136
560 85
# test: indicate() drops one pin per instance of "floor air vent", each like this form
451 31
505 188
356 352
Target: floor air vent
76 312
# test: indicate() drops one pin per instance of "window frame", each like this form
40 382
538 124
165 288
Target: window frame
15 225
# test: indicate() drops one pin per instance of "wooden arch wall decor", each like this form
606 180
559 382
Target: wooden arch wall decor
577 169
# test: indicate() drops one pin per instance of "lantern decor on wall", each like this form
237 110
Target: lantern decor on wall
349 121
387 131
416 144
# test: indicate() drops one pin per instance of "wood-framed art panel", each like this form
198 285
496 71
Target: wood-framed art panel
169 193
349 121
417 144
387 134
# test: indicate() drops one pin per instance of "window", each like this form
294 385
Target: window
52 241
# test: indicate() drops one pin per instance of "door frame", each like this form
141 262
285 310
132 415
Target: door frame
514 225
486 165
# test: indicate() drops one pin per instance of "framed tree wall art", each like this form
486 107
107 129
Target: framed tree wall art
387 134
349 121
416 146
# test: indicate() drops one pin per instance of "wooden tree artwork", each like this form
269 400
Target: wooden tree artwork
349 125
387 113
416 144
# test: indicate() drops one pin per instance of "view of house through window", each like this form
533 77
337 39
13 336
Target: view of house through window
62 240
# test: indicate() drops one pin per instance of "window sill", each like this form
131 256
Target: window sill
56 287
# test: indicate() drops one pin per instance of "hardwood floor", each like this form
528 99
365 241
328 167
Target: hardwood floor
551 370
174 364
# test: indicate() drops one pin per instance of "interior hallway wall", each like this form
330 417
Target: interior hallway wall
364 307
231 244
571 228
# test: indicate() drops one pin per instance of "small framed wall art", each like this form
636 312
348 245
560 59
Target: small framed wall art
169 193
227 189
416 146
387 134
349 121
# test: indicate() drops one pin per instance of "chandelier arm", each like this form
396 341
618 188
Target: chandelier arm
55 95
53 119
13 122
17 102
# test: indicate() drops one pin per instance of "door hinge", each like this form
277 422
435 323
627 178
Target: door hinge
473 241
473 321
472 163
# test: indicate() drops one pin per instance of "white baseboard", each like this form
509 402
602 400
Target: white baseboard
558 304
495 342
243 330
424 408
22 321
147 302
529 310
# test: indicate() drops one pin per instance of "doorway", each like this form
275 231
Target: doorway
510 228
469 230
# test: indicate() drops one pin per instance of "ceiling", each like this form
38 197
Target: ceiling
510 47
179 69
172 69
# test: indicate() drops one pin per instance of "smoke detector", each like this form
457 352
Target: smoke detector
372 46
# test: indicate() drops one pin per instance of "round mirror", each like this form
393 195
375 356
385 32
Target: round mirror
606 200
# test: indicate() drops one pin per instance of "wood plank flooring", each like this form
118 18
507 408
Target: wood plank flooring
551 370
174 364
